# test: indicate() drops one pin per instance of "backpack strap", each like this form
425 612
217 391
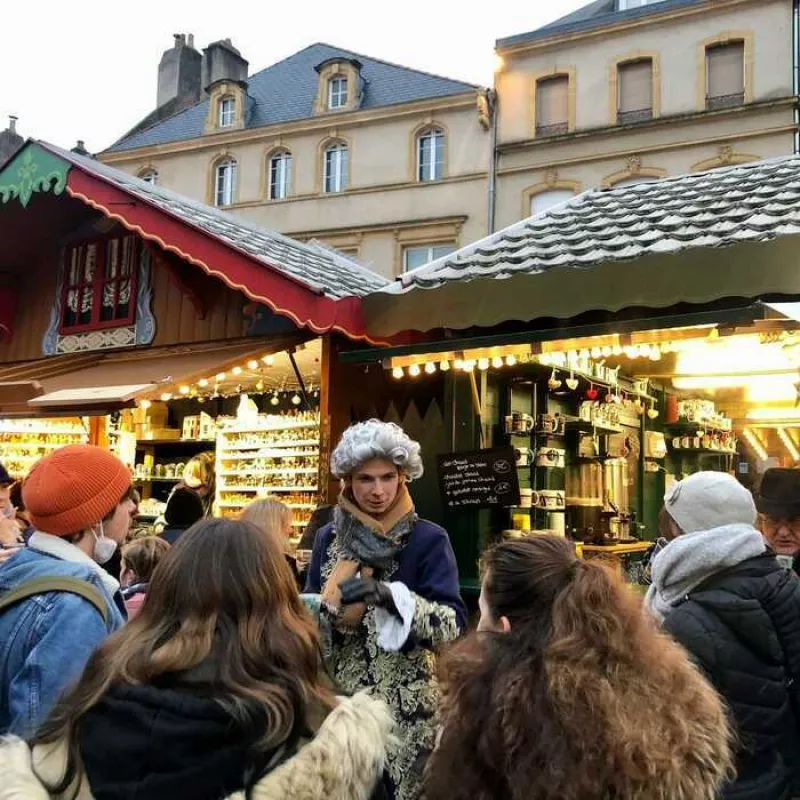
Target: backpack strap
75 586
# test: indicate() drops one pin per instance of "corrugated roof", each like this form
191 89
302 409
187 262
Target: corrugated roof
285 92
321 269
597 14
750 203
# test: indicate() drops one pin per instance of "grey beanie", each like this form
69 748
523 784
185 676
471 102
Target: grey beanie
709 500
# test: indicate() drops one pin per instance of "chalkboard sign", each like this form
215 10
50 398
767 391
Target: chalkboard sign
480 479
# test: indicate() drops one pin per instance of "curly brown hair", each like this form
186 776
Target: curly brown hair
582 698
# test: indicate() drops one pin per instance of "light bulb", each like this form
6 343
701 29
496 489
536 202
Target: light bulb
616 350
184 390
497 362
260 386
511 361
606 352
166 396
584 354
444 366
644 350
220 376
268 360
252 364
469 365
275 399
145 404
203 382
430 368
483 364
414 370
596 352
237 370
296 400
397 373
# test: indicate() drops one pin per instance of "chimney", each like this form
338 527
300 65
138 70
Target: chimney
80 149
179 74
12 123
10 140
223 62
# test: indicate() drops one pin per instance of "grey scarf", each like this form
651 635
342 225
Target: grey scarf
693 558
359 542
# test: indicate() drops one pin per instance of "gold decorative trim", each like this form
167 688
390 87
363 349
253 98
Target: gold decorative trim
413 161
571 74
726 157
338 69
552 182
633 169
218 93
747 37
654 57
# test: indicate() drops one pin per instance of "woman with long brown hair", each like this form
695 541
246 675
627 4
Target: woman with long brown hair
568 691
216 687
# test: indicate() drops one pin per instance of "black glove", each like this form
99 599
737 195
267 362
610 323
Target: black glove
369 591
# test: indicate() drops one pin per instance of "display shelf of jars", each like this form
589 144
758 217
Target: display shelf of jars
275 455
24 442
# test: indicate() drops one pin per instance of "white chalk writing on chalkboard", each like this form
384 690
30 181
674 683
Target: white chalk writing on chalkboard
480 479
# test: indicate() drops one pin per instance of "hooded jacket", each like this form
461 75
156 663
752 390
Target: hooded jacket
742 626
145 744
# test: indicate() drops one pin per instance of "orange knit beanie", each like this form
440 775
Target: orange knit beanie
74 488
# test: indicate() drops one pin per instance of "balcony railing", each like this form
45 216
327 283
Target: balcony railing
639 115
553 129
724 101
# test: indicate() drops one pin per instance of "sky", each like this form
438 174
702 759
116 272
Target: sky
88 70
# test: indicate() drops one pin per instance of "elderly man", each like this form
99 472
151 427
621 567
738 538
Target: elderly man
389 587
778 503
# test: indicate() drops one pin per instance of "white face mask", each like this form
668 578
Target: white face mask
104 548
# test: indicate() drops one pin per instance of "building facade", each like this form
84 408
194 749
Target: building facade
385 163
639 90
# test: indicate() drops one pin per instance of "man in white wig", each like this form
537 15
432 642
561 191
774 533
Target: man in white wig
389 588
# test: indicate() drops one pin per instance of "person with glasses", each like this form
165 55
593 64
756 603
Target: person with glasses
778 503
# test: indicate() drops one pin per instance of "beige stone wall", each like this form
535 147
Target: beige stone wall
684 137
384 208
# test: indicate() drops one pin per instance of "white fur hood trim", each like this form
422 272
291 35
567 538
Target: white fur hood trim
343 762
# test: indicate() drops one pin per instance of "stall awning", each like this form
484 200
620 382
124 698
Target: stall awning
731 233
316 287
101 383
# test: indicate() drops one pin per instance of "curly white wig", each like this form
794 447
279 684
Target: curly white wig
375 439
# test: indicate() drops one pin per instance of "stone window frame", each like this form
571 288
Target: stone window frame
551 183
211 186
747 38
417 133
569 72
613 81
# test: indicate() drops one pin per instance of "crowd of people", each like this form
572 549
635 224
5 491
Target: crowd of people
211 661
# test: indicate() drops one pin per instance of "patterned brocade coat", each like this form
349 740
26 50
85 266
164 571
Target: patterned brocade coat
426 565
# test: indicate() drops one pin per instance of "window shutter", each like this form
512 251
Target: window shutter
552 102
725 66
635 86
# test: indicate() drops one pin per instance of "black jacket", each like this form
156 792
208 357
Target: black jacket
742 626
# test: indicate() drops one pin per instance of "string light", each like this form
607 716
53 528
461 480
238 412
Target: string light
260 386
166 396
268 360
220 376
275 399
414 370
444 366
430 368
511 361
145 404
296 399
483 364
203 382
237 370
596 352
497 362
616 350
397 373
252 364
458 364
468 366
606 352
184 390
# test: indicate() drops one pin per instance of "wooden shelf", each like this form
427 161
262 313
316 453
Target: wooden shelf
271 445
254 456
295 489
702 450
290 426
592 427
175 442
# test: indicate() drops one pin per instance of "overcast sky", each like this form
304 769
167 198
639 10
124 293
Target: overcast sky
87 69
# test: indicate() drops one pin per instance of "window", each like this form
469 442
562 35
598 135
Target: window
430 155
336 168
149 176
225 182
227 111
725 75
624 5
280 175
635 91
544 200
414 257
337 92
99 284
552 106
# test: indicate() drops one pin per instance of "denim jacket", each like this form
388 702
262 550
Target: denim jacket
46 640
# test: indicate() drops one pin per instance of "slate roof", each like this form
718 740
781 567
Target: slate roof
748 203
320 268
594 15
285 92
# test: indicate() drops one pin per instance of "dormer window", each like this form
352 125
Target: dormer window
624 5
149 176
227 112
337 92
